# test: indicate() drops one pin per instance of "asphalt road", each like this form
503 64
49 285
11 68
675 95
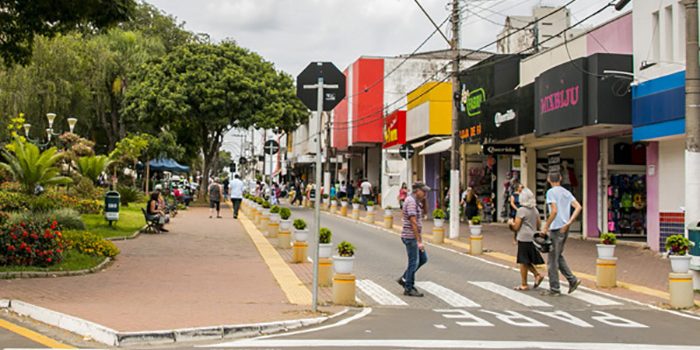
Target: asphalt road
470 304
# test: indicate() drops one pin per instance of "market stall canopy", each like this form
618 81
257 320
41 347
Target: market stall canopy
437 147
168 165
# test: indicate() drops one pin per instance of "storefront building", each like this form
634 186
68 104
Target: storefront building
658 114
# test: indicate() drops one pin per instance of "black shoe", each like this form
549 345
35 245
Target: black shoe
235 217
163 230
413 293
550 293
401 282
573 286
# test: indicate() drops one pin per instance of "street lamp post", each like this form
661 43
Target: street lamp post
50 133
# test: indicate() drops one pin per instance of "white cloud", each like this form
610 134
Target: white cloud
292 33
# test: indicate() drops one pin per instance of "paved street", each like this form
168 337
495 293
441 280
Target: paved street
470 303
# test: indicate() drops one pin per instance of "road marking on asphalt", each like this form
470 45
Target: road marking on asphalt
34 336
440 326
379 294
447 295
518 297
444 344
586 297
291 285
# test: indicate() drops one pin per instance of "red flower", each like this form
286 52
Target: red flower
25 234
34 236
48 259
54 224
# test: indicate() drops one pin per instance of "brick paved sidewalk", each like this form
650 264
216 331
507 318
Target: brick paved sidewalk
205 272
637 264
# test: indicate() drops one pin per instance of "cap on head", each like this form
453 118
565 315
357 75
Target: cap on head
421 186
554 177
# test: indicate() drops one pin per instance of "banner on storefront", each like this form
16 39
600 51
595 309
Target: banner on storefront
509 115
395 129
501 149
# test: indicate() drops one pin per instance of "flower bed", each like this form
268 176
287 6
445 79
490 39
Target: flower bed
30 244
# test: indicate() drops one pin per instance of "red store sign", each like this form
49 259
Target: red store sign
395 129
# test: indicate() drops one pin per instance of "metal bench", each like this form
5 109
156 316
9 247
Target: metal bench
152 224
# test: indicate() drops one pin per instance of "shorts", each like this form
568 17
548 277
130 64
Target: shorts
215 204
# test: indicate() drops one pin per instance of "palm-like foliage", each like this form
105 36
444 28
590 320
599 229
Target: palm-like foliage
91 167
30 167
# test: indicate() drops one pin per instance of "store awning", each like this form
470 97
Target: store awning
437 147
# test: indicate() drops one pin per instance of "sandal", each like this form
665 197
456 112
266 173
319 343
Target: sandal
538 281
521 288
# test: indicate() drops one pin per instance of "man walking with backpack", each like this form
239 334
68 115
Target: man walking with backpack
215 198
560 202
412 238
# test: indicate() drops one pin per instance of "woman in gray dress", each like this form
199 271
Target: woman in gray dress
525 225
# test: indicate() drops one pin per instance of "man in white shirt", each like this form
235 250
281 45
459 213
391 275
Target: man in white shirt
366 189
236 194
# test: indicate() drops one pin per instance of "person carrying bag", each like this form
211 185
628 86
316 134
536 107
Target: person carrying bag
524 225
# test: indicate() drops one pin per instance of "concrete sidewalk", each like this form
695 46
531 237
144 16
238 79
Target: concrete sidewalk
641 272
205 272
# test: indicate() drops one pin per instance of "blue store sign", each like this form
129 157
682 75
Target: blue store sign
658 107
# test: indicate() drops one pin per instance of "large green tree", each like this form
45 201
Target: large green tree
21 21
202 90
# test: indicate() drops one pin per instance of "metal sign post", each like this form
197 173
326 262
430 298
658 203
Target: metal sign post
271 148
320 71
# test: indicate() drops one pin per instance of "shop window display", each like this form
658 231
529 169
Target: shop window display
483 180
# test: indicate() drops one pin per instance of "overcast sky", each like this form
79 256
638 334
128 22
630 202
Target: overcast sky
292 33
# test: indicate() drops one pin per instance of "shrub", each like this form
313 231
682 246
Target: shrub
343 199
608 238
85 189
42 204
476 220
90 244
678 245
128 194
4 218
30 244
355 200
89 206
13 201
370 203
324 196
67 218
274 210
10 186
266 205
31 167
299 224
346 249
285 213
438 214
324 235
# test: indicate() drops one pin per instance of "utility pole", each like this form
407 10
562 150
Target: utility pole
456 89
692 116
327 174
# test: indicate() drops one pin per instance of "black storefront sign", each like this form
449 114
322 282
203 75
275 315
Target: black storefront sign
491 77
504 149
509 115
583 92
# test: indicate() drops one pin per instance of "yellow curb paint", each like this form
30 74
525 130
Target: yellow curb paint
291 285
680 279
34 336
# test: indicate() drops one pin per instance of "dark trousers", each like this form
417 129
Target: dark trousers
556 261
416 259
236 206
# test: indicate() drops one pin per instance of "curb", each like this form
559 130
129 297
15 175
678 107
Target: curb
43 274
132 236
112 337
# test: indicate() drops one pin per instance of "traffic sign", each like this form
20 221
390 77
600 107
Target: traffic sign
242 160
271 147
331 76
407 151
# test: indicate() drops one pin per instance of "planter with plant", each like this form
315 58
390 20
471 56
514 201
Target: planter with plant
344 201
275 214
285 223
301 232
325 248
438 217
344 261
677 247
355 203
606 247
389 211
334 201
370 206
475 226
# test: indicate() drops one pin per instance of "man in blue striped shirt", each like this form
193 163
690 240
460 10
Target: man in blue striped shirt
411 235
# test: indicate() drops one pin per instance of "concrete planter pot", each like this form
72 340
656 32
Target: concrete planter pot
344 204
343 264
388 212
605 251
325 250
356 205
285 225
301 235
370 209
334 203
439 222
475 230
680 263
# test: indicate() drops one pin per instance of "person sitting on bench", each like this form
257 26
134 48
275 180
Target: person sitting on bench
154 212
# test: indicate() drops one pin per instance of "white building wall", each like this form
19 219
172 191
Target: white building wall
659 37
534 65
672 175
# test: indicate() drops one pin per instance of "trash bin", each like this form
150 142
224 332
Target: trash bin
112 200
694 236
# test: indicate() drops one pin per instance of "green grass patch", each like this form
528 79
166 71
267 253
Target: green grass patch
72 261
130 220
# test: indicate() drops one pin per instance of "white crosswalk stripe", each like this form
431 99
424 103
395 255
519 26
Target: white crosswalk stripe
589 298
518 297
445 294
379 294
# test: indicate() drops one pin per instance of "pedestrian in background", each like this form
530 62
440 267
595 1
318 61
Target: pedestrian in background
525 224
366 188
560 202
351 190
470 203
214 198
412 238
403 193
236 194
515 199
343 193
226 188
